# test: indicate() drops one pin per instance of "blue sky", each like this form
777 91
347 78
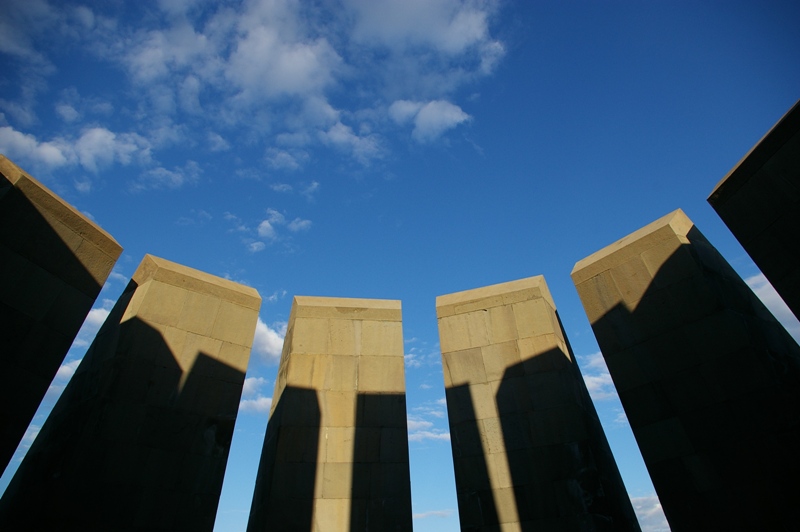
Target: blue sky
390 149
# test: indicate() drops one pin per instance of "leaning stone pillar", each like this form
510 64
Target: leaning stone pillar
528 448
53 263
710 382
140 437
759 201
335 455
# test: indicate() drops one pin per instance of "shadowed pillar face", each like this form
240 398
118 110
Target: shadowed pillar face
527 445
139 439
759 201
710 382
338 422
53 262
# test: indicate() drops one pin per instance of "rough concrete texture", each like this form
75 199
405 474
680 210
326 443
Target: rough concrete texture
335 455
528 448
710 382
53 262
759 201
140 437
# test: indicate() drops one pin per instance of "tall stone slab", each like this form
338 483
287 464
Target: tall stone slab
53 263
710 382
759 201
335 454
528 448
140 437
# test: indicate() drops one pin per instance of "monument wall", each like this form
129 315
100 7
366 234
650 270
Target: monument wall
335 454
53 263
139 439
528 448
709 380
759 201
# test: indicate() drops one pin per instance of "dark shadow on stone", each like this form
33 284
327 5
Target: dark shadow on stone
564 475
285 483
381 485
45 294
710 383
476 506
127 447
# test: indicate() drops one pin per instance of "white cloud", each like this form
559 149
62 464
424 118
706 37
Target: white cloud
265 64
650 514
436 117
430 119
67 112
422 435
299 225
258 405
21 146
98 147
252 385
97 316
597 378
216 143
268 341
67 370
415 425
773 301
281 187
449 26
160 177
433 513
255 247
362 148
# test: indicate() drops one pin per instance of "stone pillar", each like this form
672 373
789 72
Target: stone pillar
528 447
140 437
759 201
53 263
335 455
709 380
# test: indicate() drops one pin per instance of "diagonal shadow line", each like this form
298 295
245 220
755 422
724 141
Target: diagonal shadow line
710 383
126 447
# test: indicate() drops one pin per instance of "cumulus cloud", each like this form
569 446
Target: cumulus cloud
363 148
252 385
256 71
67 370
299 225
430 119
597 378
650 514
259 405
160 177
268 341
255 247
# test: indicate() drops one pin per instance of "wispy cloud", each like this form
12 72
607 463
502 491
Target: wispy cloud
433 513
650 514
270 73
597 378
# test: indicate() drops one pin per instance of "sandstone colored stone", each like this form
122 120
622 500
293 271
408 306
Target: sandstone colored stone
139 439
514 394
53 263
341 376
699 365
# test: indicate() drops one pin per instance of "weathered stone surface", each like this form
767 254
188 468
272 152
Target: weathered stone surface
528 448
708 379
53 263
140 437
341 379
759 201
